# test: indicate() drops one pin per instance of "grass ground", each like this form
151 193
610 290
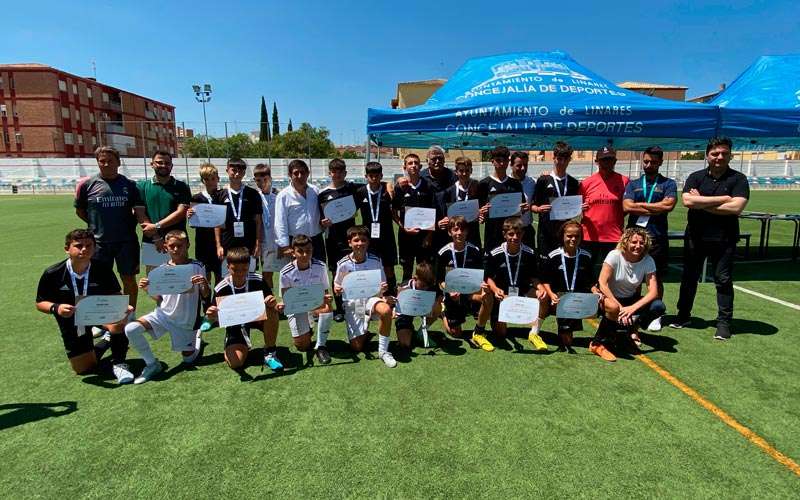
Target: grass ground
456 422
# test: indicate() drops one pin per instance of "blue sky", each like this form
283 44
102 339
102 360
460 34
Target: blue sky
327 62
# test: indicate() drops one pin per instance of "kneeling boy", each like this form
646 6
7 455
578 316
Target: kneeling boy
177 314
302 271
422 279
237 337
359 312
60 288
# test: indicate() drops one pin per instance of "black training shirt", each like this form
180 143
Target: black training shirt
703 225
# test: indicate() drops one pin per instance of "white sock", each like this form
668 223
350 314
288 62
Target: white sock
323 329
535 327
135 333
383 344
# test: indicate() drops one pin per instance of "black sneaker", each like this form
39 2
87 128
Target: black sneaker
723 332
323 356
338 317
680 323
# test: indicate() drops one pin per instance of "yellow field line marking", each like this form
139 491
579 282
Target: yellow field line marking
719 413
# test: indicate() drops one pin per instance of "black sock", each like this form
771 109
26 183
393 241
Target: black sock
391 281
604 330
338 301
119 348
480 329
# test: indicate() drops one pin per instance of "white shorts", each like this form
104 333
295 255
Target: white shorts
299 324
182 338
271 262
357 323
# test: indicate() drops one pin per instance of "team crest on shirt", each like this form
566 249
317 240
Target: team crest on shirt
125 190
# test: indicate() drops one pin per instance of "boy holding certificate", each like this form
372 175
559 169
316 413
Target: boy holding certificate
359 312
205 246
465 188
412 191
269 248
375 202
548 187
336 234
511 271
177 314
425 280
498 183
456 255
567 269
302 271
237 337
63 285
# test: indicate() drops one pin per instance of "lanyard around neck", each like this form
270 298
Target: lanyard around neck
376 209
570 287
454 254
74 277
512 281
237 212
644 187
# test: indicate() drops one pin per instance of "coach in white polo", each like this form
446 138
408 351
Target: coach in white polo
297 211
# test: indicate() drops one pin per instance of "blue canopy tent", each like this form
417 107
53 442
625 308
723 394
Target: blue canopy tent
530 100
760 110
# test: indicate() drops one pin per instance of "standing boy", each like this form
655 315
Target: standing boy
414 191
465 188
243 224
519 171
177 314
60 288
205 245
554 185
375 202
494 184
271 261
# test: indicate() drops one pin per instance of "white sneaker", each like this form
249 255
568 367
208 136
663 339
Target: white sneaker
149 372
197 344
387 359
655 325
123 374
98 332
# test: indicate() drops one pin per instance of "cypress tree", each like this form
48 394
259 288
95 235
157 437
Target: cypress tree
276 130
289 127
263 134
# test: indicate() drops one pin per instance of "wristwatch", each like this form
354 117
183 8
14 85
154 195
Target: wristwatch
158 226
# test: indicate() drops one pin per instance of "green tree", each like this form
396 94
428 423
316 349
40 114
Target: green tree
693 155
276 129
349 154
263 134
305 141
289 127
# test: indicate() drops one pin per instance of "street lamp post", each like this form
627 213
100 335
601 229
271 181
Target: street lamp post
203 96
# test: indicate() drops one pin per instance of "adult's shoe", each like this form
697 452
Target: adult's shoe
123 373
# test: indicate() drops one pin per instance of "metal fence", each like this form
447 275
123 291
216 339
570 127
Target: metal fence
53 175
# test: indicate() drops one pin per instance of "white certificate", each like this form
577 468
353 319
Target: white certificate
412 302
519 310
208 215
463 280
152 257
250 269
505 205
565 207
101 310
467 209
361 284
340 209
577 305
301 299
419 217
168 280
241 308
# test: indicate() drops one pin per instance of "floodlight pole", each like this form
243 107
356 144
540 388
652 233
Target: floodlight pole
203 96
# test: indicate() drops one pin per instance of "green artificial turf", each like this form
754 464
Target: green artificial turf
455 423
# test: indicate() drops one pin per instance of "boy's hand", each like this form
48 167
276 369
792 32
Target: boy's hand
455 295
443 223
544 208
190 212
390 300
199 279
326 223
280 307
384 287
65 310
270 301
540 294
327 299
337 289
256 249
211 312
554 298
499 294
144 283
483 213
524 207
585 206
412 231
220 253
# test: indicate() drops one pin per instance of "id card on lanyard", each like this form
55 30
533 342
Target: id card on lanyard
238 225
375 210
642 220
74 277
513 289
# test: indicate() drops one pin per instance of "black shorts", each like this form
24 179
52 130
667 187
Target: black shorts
75 345
529 236
456 311
411 247
124 253
210 261
404 322
335 251
386 250
659 251
599 251
235 335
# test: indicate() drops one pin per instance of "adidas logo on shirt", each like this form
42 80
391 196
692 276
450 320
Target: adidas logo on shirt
64 288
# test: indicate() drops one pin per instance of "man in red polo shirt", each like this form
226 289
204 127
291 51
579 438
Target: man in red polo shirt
603 217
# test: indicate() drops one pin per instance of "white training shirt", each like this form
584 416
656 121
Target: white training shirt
183 308
296 214
315 274
627 276
347 265
268 221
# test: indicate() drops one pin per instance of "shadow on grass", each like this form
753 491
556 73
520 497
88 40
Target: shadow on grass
739 326
15 414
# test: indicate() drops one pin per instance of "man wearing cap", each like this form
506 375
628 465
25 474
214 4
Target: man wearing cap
648 202
715 197
603 217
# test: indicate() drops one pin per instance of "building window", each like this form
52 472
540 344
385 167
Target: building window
18 137
74 88
80 139
94 141
3 110
11 84
1 82
5 137
77 115
68 138
64 112
62 85
105 97
88 92
91 117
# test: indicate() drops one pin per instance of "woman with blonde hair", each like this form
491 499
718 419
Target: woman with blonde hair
624 271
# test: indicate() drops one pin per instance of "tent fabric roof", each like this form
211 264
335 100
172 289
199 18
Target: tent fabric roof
760 110
530 100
